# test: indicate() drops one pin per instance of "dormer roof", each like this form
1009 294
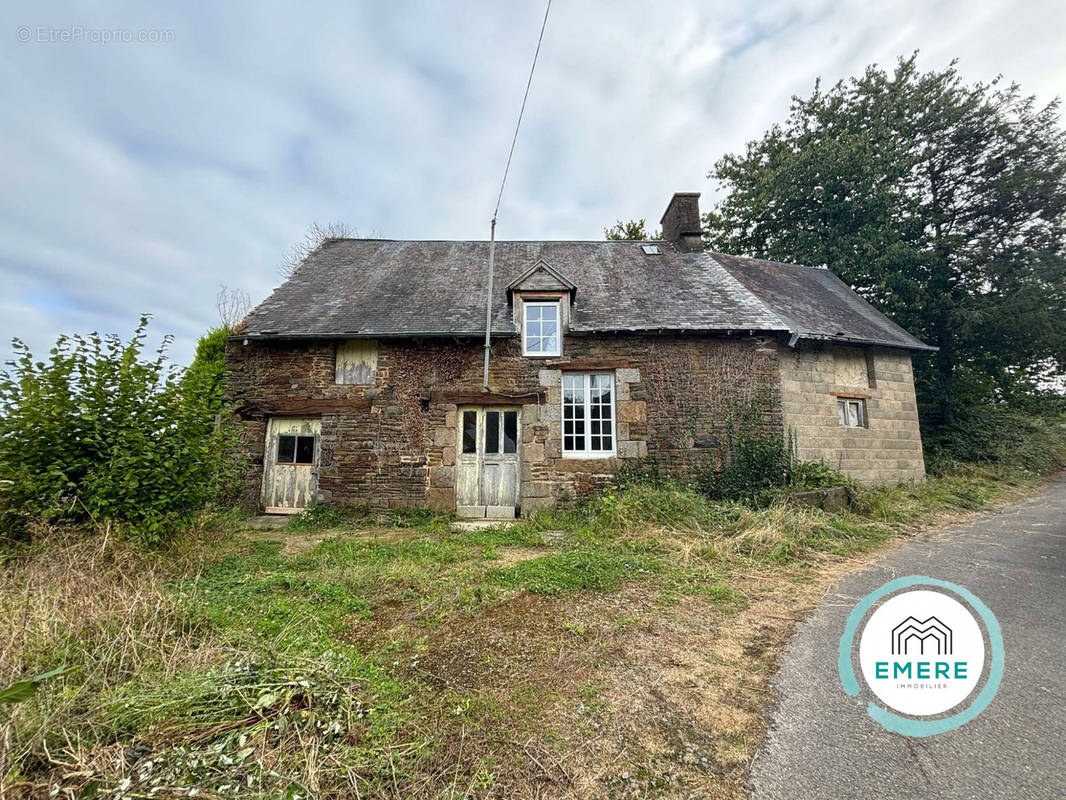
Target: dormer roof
541 277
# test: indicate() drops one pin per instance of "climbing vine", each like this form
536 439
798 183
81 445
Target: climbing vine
414 372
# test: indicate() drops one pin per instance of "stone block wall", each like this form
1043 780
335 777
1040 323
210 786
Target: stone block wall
393 444
814 377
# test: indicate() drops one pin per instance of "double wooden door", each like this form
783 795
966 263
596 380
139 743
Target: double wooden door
488 469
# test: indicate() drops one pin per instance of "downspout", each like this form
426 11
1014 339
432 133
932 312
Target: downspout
488 304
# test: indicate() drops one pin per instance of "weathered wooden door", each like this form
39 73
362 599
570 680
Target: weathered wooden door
290 464
488 471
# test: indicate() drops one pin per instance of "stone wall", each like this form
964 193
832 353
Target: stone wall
394 443
813 378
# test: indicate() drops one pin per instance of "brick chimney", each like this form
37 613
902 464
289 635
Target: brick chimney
681 222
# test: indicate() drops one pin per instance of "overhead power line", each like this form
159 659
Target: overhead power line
499 197
522 111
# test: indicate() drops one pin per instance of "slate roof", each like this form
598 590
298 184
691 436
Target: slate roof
815 304
380 288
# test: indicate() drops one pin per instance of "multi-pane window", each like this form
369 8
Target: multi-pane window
294 449
852 412
588 415
541 329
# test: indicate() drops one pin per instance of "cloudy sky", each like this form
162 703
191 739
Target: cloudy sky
139 176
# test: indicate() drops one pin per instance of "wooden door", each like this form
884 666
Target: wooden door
488 471
290 464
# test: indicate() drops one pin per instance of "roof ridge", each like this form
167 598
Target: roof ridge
769 261
613 242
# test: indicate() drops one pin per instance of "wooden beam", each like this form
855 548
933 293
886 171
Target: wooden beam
490 398
588 364
299 406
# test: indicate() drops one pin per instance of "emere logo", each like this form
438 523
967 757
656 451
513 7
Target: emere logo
922 653
913 630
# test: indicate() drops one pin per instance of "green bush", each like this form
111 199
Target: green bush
1000 436
816 475
753 462
99 433
320 517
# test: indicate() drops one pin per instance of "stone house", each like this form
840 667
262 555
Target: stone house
361 377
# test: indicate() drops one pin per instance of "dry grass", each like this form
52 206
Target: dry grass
629 657
103 608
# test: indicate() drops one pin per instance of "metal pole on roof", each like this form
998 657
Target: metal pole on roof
488 303
499 197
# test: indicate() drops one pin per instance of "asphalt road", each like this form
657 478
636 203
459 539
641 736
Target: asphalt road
822 745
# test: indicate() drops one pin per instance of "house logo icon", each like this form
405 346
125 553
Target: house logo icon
924 655
920 637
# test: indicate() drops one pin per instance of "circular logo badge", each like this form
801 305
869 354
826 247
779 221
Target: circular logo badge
922 654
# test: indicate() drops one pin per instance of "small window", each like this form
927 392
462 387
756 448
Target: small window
650 249
510 431
294 449
852 412
588 415
469 431
541 329
492 431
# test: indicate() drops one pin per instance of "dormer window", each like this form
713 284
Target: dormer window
541 328
543 303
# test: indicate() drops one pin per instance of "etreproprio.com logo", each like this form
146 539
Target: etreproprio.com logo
922 653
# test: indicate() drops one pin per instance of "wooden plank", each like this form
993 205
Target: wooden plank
298 406
357 362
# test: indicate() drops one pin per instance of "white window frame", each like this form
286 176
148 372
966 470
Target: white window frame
558 306
843 417
587 405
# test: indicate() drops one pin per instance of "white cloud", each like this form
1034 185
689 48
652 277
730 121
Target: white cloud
139 177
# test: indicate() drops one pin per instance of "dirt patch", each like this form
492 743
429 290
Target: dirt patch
622 695
509 556
686 698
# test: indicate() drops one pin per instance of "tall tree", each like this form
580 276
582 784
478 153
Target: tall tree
942 203
634 230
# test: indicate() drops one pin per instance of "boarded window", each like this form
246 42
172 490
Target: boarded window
850 366
357 362
294 449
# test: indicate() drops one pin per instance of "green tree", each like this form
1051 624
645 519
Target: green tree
204 381
942 203
102 432
634 230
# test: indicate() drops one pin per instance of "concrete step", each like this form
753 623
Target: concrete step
266 522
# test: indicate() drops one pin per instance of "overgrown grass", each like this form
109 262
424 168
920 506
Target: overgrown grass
367 663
